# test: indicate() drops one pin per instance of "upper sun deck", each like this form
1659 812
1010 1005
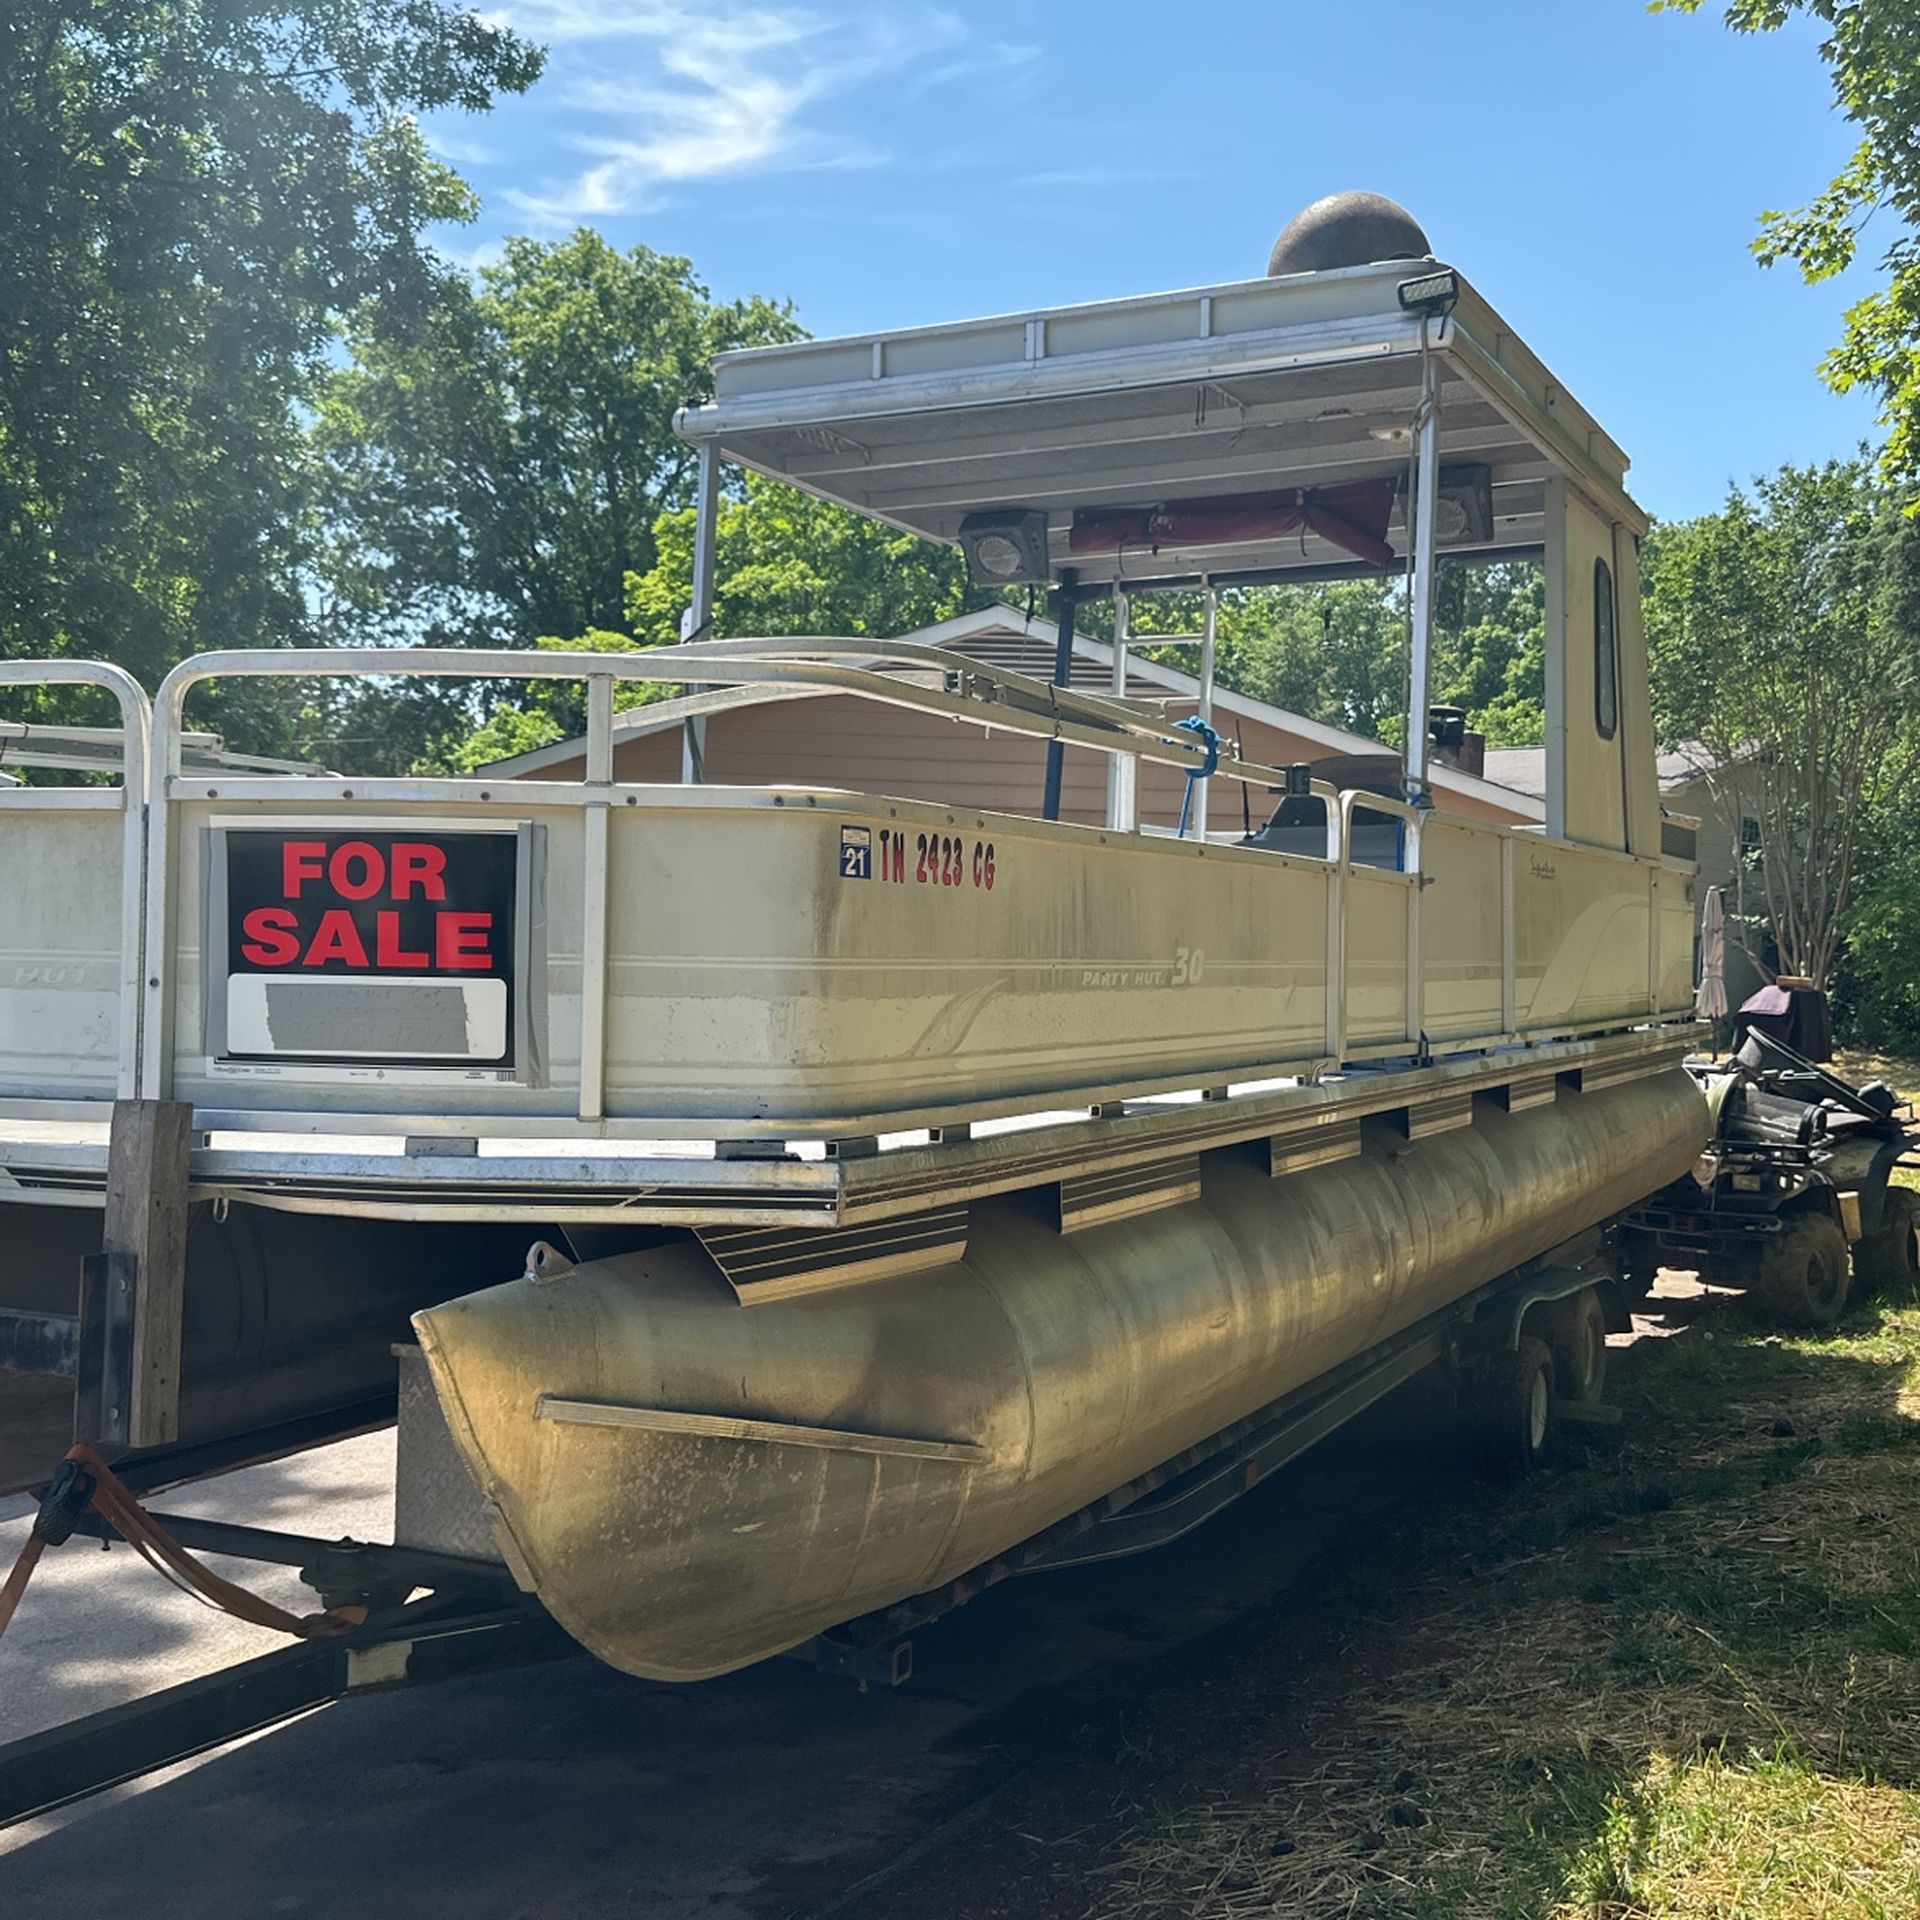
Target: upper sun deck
1309 380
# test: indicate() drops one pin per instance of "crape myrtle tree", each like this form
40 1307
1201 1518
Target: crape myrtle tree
191 195
1784 641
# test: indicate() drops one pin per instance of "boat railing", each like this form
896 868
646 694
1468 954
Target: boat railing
988 696
161 865
1411 820
128 799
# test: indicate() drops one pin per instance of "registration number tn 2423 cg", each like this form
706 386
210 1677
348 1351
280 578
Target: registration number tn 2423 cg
926 859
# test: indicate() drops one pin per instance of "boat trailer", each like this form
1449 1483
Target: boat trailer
430 1617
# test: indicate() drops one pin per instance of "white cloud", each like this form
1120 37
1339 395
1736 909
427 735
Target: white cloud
989 59
458 149
676 91
471 255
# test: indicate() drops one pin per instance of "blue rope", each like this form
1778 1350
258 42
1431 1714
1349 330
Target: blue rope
1211 740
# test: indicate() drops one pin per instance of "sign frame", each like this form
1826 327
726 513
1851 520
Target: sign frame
522 1067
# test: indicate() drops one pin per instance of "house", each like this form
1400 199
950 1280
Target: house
780 736
1686 788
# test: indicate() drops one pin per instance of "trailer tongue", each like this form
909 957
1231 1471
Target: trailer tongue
910 1181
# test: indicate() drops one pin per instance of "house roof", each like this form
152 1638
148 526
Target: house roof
1524 769
1519 770
1003 636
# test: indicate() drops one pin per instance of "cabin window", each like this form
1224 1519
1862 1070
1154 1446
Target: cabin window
1606 666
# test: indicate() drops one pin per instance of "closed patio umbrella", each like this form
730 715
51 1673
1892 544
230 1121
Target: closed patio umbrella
1710 997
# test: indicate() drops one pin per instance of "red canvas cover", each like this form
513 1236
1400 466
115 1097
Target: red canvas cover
1353 517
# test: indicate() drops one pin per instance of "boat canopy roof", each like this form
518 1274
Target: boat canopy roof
1199 399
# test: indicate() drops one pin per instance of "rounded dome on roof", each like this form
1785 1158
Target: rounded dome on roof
1347 230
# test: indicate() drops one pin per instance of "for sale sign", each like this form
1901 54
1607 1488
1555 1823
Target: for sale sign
371 945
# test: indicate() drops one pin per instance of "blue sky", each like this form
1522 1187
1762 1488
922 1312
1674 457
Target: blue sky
1595 170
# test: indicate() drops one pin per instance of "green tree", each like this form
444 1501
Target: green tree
788 563
1784 636
549 709
791 563
1490 649
494 472
1878 1001
1337 652
1872 52
190 196
1334 653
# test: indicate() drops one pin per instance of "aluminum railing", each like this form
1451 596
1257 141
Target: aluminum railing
969 690
128 799
991 697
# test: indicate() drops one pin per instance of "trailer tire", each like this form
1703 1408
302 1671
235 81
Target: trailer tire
1802 1276
1512 1406
1887 1260
1577 1337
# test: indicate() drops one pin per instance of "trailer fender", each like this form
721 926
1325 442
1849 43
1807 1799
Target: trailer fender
1501 1323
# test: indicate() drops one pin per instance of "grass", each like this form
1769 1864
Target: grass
1676 1678
1900 1073
1772 1836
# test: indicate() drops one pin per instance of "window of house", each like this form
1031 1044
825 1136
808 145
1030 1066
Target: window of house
1606 667
1749 837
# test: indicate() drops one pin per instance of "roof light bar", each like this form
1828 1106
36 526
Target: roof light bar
1434 293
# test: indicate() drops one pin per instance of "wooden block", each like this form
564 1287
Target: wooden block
144 1238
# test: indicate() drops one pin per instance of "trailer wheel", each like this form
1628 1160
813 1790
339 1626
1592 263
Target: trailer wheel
1888 1259
1802 1276
1512 1405
1577 1337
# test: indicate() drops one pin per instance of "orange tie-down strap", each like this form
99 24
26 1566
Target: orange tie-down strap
85 1480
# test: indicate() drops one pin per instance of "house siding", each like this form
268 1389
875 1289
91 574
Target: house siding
861 745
